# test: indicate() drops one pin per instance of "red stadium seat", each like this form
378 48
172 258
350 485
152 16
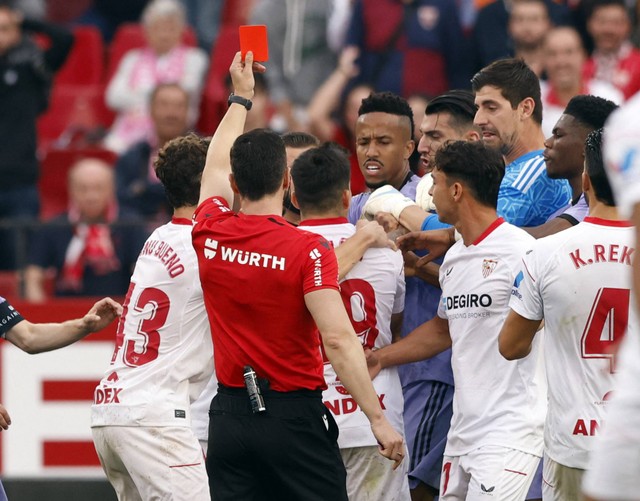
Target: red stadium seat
85 63
74 110
10 285
131 36
52 185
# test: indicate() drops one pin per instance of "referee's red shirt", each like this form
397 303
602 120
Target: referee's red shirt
255 271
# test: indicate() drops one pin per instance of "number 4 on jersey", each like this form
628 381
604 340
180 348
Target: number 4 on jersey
607 324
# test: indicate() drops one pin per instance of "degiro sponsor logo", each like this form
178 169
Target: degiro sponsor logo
467 301
243 257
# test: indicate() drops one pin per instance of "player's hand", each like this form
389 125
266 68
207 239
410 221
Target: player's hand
5 420
242 74
390 442
423 193
386 199
373 363
347 61
437 242
387 221
101 314
375 234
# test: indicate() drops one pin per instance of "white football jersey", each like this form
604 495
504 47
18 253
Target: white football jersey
579 281
621 153
496 401
372 291
164 355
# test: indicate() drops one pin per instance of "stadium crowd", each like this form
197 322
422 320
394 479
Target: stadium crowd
450 182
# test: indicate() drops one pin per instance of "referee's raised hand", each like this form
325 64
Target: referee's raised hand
242 74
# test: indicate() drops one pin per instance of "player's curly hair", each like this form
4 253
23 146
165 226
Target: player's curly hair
179 167
387 102
591 111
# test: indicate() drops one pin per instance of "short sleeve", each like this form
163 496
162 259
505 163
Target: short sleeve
526 297
9 317
211 209
320 266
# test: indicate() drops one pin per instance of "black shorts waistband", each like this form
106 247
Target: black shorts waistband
269 394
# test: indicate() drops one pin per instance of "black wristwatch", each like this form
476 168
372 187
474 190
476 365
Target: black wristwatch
247 103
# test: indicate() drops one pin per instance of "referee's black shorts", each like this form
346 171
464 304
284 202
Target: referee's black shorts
289 452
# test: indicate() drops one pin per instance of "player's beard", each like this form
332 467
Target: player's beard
375 186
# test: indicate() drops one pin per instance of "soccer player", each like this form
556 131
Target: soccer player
495 441
613 469
373 294
37 338
510 117
267 285
141 418
579 282
384 142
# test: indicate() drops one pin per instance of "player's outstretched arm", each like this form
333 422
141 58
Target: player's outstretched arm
347 358
37 338
516 336
437 242
368 234
215 177
425 341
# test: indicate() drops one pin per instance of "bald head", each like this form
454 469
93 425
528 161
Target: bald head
91 188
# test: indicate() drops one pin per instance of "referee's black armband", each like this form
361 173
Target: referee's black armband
8 317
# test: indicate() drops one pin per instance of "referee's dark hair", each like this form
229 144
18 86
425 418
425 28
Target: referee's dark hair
320 177
258 163
179 167
475 165
594 167
387 102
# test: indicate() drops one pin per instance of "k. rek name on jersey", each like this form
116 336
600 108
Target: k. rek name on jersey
610 253
212 248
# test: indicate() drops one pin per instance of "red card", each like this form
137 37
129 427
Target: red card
254 38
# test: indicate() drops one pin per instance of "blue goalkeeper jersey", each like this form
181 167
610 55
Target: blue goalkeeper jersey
527 196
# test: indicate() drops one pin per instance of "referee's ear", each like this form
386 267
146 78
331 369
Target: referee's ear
234 185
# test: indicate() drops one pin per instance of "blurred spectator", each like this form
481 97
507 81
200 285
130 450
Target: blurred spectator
564 59
27 72
614 58
139 189
418 103
164 60
90 257
333 111
402 41
528 24
107 15
33 9
204 16
490 35
299 55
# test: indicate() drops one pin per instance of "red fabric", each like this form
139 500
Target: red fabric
91 246
341 137
627 73
256 303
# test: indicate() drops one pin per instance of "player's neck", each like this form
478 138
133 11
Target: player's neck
268 205
475 220
602 211
331 214
531 139
184 212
